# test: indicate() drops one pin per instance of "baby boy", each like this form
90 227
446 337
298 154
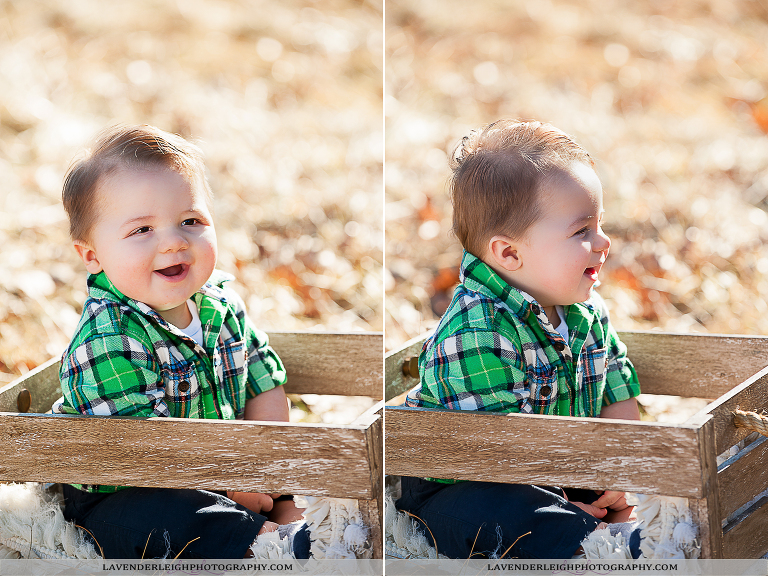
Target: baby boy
525 332
161 335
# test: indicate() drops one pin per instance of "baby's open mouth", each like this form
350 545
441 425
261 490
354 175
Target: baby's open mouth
171 271
592 272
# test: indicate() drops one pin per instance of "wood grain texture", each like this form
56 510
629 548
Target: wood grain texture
370 511
373 510
43 384
332 363
396 381
694 365
575 452
183 453
750 395
689 365
316 363
744 477
747 536
706 510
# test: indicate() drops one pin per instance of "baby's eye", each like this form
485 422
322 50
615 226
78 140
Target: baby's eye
582 231
190 222
140 230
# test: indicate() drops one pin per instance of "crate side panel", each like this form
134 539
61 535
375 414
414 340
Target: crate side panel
575 452
396 381
322 363
184 453
747 537
750 395
745 478
706 510
42 383
373 510
694 365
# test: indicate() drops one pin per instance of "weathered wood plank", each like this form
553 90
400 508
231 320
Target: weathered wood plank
396 381
694 365
367 417
43 384
744 477
747 536
689 365
319 460
316 362
750 395
577 452
706 510
370 511
331 363
373 510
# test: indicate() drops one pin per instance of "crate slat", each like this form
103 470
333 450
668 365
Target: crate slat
694 365
331 363
688 365
706 510
395 381
750 395
747 536
744 478
43 384
316 362
318 460
576 452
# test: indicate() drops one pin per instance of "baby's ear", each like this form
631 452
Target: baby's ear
88 255
504 253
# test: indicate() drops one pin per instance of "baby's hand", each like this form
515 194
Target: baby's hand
254 501
616 502
613 500
590 509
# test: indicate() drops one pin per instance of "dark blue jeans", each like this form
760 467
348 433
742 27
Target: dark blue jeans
164 520
483 519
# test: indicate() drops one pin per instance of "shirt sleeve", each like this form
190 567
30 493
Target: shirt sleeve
112 375
264 368
472 370
621 382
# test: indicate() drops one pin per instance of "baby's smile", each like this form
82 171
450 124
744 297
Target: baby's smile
593 271
176 272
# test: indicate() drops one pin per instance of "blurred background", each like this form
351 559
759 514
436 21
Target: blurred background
285 99
668 97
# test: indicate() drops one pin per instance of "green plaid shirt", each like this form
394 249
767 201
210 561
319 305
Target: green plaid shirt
126 360
495 350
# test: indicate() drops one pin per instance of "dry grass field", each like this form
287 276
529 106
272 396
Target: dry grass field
284 98
669 97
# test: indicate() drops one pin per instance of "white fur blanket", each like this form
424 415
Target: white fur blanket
32 526
667 531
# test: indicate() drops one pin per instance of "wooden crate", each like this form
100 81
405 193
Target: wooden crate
311 459
642 457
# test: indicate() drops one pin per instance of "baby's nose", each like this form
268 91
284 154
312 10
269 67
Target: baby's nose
173 242
604 242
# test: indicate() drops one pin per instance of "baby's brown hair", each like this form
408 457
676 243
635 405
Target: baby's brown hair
119 147
498 172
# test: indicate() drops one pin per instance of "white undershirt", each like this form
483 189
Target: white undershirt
195 328
562 328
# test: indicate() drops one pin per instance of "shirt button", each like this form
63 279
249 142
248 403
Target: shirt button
559 346
535 309
184 386
546 390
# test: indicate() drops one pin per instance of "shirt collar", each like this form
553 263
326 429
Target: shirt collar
477 276
101 288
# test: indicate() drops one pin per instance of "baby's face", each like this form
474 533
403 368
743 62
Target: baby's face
565 250
154 239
